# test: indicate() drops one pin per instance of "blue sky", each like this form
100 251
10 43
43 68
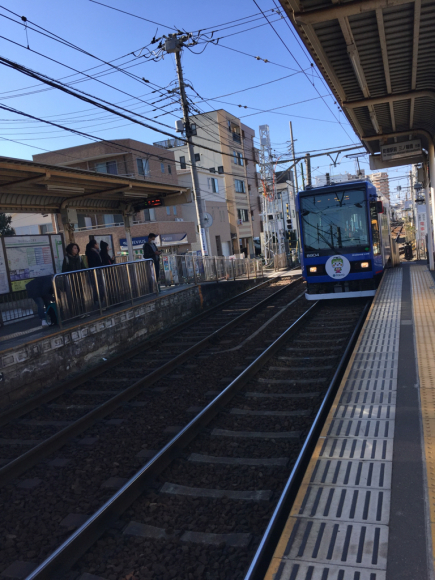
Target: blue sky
219 70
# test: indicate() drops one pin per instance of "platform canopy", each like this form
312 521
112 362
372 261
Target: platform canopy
29 187
377 58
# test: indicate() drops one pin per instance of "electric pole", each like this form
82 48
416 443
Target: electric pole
294 157
174 44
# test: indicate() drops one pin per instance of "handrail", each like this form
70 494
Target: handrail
81 293
84 292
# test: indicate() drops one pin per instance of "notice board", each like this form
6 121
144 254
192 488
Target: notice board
29 257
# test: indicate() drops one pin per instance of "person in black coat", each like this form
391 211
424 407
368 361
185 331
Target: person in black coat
41 291
93 254
95 261
104 254
72 260
150 251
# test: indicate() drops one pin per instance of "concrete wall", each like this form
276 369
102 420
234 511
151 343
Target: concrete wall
41 363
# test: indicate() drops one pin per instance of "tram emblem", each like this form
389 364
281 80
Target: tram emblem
337 267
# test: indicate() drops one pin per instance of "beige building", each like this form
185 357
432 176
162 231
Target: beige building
131 158
224 150
382 184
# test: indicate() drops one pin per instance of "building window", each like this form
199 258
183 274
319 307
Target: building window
218 246
143 166
168 210
182 163
169 170
162 167
235 157
193 129
174 209
149 215
197 157
243 215
239 158
213 184
239 186
46 228
107 167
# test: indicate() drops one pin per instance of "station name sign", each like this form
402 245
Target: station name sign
401 150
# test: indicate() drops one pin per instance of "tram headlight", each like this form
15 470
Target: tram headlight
313 269
365 264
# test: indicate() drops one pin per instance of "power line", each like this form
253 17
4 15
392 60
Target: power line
294 58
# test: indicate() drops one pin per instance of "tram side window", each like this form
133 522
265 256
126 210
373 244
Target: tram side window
375 230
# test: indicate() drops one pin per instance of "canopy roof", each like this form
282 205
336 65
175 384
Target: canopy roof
377 58
29 187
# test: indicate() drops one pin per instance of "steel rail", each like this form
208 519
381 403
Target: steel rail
26 460
53 392
272 535
82 539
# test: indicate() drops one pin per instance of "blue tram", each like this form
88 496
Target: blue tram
345 240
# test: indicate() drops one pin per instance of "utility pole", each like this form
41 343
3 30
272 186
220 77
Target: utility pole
294 157
174 44
303 178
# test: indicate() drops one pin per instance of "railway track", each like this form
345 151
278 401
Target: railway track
200 506
108 424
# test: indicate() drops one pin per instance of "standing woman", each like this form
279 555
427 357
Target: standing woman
104 254
72 294
72 260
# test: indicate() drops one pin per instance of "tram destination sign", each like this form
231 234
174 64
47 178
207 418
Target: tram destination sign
401 150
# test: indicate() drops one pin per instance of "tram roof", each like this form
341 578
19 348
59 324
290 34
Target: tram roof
377 58
338 186
29 187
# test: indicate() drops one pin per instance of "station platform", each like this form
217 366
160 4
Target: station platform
366 507
21 331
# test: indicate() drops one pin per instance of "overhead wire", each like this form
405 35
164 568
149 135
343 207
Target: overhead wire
297 62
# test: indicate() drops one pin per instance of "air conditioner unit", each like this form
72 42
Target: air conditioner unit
179 126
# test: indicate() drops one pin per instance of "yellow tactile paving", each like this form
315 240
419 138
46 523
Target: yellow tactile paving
280 552
423 299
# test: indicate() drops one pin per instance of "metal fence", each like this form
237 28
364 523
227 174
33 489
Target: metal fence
85 292
189 269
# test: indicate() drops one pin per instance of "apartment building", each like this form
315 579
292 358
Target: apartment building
381 182
30 224
131 158
224 151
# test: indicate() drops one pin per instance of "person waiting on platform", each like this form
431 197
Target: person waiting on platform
72 260
41 291
150 251
93 254
104 254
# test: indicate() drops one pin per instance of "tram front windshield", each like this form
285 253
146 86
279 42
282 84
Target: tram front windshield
333 222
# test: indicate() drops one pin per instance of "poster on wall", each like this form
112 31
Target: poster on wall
4 282
28 257
57 247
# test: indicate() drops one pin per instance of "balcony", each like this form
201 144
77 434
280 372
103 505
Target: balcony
237 138
169 143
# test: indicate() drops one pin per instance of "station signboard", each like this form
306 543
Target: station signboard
401 150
